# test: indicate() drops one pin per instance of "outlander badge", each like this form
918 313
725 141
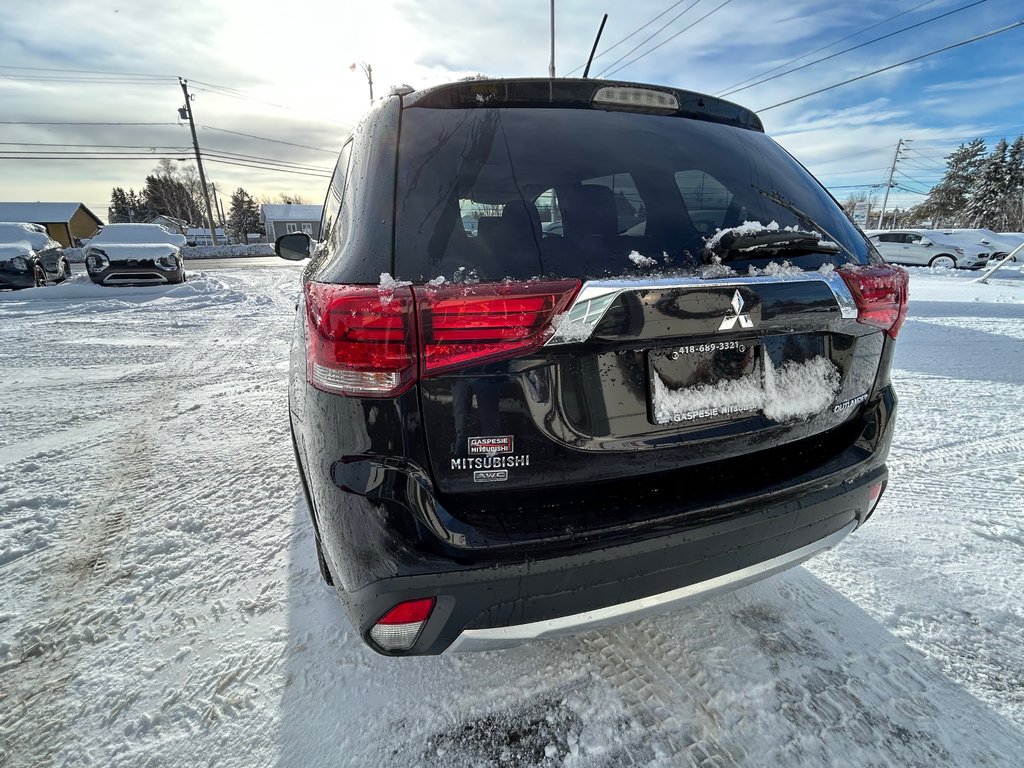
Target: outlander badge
738 315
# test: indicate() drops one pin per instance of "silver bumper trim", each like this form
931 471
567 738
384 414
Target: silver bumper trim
596 296
506 637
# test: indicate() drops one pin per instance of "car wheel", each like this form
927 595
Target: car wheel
38 276
66 265
944 261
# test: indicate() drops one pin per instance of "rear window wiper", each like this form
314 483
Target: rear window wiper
744 240
779 200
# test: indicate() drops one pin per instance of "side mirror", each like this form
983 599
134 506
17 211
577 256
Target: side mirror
294 246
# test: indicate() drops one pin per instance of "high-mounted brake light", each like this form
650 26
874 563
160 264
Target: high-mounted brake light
360 339
635 98
881 294
461 325
398 629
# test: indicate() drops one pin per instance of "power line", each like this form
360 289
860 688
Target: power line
975 39
71 122
150 157
82 71
854 47
829 45
657 32
265 168
264 138
669 39
93 149
620 42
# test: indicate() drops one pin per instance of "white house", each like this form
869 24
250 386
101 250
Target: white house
283 219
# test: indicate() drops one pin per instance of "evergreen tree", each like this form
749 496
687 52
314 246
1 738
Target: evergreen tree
986 205
243 216
1015 187
948 200
126 207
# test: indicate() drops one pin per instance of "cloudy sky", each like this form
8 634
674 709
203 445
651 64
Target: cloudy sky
279 72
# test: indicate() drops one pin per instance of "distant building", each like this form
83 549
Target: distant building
201 236
283 219
65 222
171 224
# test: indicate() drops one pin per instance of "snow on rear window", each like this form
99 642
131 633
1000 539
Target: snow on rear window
788 392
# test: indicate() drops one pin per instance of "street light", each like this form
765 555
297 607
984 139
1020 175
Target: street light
368 70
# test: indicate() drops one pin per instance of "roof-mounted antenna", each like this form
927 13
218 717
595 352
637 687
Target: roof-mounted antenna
594 49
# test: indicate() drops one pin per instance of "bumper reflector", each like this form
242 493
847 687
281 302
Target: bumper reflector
874 495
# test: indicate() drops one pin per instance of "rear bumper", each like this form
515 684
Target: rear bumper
504 637
502 605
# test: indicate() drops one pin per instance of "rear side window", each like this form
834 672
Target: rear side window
332 229
495 193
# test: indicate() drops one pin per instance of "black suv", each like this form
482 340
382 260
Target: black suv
521 431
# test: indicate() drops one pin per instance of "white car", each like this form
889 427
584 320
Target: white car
927 248
999 245
135 254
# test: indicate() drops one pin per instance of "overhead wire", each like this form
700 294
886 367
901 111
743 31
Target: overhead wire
903 63
635 31
669 39
853 48
646 40
829 45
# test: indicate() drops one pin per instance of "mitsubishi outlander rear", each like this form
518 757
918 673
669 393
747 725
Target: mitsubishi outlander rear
570 351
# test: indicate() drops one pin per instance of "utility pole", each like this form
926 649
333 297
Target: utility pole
368 71
199 159
551 66
888 184
218 205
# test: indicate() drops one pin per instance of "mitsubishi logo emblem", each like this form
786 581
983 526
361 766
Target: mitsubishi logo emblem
737 316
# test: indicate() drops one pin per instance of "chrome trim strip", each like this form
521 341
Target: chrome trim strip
506 637
143 278
579 321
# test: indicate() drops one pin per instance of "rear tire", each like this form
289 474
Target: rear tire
944 261
38 276
67 269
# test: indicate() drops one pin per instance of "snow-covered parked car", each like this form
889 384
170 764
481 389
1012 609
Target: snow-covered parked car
135 254
30 257
506 437
1000 245
928 248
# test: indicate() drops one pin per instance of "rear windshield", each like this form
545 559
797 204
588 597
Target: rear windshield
518 193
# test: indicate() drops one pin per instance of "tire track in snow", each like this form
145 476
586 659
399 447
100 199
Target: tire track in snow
93 596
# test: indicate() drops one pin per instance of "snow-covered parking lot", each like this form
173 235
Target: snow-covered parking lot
160 604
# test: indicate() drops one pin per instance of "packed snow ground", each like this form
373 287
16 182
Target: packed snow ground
160 604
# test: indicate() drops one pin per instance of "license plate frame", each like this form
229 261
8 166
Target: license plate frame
685 381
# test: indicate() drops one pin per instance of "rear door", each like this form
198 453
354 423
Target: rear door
914 251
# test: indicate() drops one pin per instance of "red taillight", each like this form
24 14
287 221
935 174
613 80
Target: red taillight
398 629
461 325
881 295
360 339
409 612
